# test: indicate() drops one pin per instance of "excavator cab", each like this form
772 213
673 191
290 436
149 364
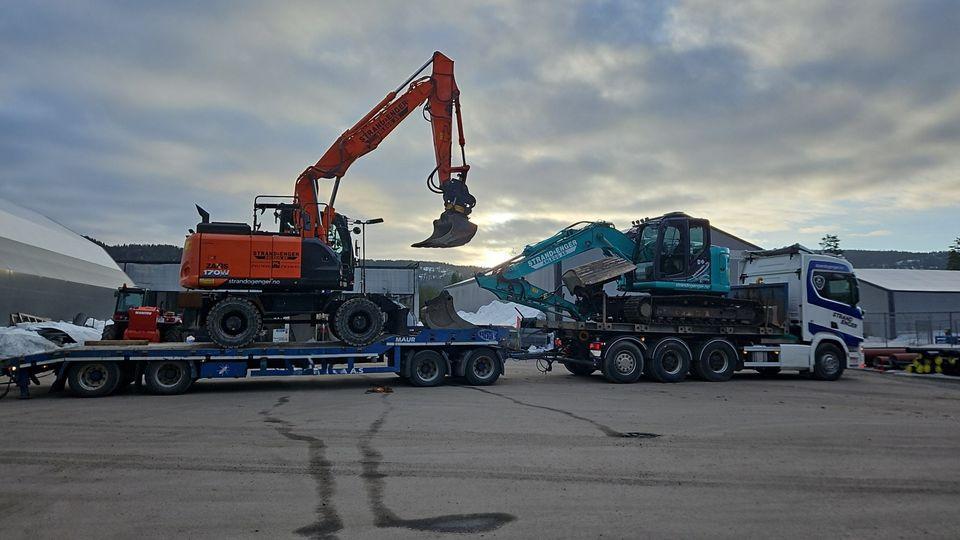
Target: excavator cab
673 252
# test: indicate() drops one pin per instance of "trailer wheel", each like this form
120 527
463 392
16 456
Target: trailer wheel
234 322
358 322
716 362
172 334
427 368
579 370
481 367
93 379
828 363
623 363
670 361
168 377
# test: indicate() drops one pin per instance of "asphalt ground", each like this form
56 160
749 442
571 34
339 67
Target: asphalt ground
534 456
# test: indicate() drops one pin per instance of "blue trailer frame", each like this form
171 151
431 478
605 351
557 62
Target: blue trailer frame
390 354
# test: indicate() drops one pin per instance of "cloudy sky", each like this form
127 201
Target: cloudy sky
778 121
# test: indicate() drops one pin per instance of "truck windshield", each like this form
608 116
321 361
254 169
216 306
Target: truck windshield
837 286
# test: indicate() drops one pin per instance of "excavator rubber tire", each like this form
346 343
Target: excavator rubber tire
358 322
234 322
111 332
172 334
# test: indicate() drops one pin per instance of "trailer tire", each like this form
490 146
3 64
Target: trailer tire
716 362
168 377
481 367
828 362
427 368
580 370
93 379
670 361
358 322
172 334
234 322
623 363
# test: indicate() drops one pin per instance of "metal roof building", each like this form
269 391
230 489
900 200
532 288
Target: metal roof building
50 271
915 302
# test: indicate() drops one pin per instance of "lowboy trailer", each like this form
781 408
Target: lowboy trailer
423 356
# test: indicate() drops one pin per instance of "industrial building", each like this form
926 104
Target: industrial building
47 270
467 296
917 305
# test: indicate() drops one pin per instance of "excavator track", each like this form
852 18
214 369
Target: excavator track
692 308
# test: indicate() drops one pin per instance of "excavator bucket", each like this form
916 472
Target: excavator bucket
451 230
439 313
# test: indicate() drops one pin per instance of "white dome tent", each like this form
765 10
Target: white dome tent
50 271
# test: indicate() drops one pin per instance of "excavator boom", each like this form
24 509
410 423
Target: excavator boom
442 97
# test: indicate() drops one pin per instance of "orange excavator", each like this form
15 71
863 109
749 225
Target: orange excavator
247 276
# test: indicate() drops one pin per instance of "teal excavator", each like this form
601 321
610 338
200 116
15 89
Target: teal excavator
665 268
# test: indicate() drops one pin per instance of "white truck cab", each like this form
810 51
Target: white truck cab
819 296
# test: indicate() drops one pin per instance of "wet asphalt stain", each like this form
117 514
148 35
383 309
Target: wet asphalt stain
386 518
605 429
328 520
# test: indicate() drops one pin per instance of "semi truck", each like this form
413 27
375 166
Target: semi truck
676 312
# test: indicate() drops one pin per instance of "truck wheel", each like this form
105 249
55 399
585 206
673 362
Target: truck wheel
481 367
828 363
670 361
579 370
716 362
93 379
358 322
172 334
234 322
168 377
112 332
623 363
427 368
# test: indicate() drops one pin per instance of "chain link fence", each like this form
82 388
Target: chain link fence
910 329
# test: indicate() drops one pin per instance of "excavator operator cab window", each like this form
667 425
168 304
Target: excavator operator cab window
673 258
646 251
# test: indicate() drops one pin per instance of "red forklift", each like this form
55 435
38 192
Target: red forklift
135 319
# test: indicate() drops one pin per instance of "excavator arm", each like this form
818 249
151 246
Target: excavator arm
508 279
442 97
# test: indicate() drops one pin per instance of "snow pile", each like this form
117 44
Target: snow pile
28 338
498 313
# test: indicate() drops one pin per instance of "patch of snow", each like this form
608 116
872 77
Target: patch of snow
499 313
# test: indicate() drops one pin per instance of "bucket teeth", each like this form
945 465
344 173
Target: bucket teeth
452 229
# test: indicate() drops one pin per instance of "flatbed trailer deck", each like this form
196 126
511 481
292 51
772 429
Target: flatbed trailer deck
423 357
